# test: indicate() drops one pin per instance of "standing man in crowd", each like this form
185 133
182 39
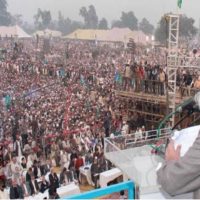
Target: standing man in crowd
16 191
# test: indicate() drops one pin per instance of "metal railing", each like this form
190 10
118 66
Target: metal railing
189 62
141 85
136 138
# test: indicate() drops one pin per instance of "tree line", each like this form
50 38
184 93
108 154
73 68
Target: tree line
43 19
91 20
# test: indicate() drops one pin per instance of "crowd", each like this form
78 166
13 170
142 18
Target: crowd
151 79
57 108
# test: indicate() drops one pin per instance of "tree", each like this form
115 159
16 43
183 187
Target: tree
84 13
146 27
93 17
29 28
61 22
5 17
46 18
187 28
3 4
67 25
127 20
161 32
17 20
103 24
117 23
42 19
90 17
75 25
38 20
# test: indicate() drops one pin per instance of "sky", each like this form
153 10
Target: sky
110 9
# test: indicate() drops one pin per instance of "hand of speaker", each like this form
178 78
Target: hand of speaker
172 153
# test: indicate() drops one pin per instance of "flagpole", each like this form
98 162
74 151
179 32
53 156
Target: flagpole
179 6
178 11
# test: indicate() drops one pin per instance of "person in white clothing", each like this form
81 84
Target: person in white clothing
138 134
3 193
18 147
125 128
16 169
25 187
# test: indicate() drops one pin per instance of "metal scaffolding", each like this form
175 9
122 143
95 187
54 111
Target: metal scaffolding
172 60
175 60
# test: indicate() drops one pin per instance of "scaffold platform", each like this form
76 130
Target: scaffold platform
152 97
142 96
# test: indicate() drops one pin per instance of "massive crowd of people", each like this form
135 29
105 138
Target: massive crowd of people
57 108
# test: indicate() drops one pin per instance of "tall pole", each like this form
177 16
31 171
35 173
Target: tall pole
166 54
199 32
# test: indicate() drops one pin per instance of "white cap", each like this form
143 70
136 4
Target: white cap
112 135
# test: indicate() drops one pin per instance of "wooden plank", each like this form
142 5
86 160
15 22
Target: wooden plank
146 113
147 97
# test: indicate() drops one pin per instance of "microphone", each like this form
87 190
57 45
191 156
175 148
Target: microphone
193 105
197 100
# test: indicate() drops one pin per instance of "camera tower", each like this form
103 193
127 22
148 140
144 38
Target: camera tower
172 61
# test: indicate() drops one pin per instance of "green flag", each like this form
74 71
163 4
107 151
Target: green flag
179 3
8 101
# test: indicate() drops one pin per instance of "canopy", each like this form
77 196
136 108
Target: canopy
87 34
48 32
139 37
13 31
113 35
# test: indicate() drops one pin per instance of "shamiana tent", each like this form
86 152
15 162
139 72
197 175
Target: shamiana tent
13 31
48 33
113 35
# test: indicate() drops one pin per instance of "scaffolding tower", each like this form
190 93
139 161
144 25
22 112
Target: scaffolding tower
175 59
172 61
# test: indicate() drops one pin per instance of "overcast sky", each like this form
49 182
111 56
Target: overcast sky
110 9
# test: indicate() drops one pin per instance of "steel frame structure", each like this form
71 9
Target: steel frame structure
175 60
172 61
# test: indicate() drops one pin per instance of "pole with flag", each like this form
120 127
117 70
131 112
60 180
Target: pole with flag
179 3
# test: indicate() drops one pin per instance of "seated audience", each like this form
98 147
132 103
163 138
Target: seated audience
53 193
29 173
44 185
25 187
53 179
23 163
34 187
95 170
16 191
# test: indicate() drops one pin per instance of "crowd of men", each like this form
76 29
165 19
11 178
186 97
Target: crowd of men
57 108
